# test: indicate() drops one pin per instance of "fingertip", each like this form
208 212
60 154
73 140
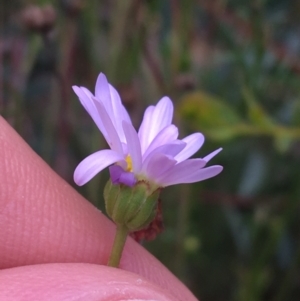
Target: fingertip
64 282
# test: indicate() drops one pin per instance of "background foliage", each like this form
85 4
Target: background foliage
232 68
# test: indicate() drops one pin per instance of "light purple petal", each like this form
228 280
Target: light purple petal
102 93
155 119
88 103
110 99
93 164
194 142
119 113
127 178
163 114
87 92
125 115
171 149
119 176
158 164
125 148
111 103
200 175
133 144
143 130
168 150
165 136
113 137
118 108
211 155
115 172
181 171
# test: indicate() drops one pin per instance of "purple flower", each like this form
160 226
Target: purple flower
154 153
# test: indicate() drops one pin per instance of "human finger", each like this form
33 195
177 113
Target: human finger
76 281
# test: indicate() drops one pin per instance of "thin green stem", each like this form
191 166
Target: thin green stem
118 246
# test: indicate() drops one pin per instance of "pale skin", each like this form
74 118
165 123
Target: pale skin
54 245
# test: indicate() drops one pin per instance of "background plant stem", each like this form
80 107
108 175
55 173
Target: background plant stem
118 246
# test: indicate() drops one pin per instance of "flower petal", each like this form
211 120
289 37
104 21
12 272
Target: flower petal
115 172
144 128
204 174
155 119
119 176
158 164
127 178
112 135
88 103
87 92
93 164
118 108
163 114
200 175
171 149
110 98
194 142
211 155
119 113
165 136
133 144
181 171
102 93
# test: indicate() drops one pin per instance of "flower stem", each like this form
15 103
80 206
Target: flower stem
118 246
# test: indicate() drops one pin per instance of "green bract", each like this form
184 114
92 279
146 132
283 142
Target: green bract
132 207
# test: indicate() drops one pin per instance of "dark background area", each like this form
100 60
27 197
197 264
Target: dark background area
232 69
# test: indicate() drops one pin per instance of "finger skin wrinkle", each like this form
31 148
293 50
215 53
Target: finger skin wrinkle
41 213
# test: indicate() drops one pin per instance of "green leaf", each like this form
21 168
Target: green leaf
207 110
283 140
257 115
207 113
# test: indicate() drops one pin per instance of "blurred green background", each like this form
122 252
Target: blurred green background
232 68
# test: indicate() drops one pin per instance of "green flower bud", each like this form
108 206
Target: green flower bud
133 207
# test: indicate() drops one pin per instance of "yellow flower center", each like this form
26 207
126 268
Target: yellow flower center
129 163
